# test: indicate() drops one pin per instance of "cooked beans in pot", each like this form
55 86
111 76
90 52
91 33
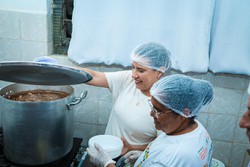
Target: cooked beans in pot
37 95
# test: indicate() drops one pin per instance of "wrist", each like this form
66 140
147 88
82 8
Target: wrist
109 163
137 147
131 147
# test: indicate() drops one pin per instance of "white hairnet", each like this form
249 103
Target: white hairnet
248 90
152 55
177 92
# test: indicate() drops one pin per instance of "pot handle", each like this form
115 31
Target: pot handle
77 100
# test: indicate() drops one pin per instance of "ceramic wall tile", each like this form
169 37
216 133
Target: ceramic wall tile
238 155
10 50
85 131
32 49
93 92
104 112
226 101
229 81
50 48
247 83
87 112
49 29
10 25
222 151
62 59
81 88
105 95
203 117
191 74
34 27
221 127
101 129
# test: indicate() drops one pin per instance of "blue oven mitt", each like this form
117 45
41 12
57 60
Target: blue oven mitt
45 59
99 157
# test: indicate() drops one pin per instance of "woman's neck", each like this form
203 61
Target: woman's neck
145 92
187 126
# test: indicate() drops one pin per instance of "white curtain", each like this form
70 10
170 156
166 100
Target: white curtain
230 44
107 31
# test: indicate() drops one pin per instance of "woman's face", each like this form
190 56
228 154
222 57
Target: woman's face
166 120
144 77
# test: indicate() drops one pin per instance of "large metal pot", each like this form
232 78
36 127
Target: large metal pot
38 132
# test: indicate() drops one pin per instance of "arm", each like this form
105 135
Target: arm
128 147
99 78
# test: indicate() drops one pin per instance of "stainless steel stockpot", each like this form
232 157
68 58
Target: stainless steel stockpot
37 133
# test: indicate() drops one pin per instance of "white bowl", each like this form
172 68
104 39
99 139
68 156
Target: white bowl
111 144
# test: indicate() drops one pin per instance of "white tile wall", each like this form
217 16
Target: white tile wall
221 127
235 159
33 49
10 25
24 36
220 103
33 27
222 151
10 49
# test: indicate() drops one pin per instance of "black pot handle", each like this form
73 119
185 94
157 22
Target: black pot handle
77 100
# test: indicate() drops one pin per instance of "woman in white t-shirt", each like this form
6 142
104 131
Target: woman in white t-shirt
130 116
175 102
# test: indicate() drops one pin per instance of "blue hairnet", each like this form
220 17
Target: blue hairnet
177 92
153 56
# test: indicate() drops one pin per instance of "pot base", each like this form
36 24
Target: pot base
65 161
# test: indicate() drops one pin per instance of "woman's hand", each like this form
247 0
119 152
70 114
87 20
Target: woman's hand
132 156
99 157
129 147
126 146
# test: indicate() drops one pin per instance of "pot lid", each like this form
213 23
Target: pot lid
41 73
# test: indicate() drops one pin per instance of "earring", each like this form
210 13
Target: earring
186 111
